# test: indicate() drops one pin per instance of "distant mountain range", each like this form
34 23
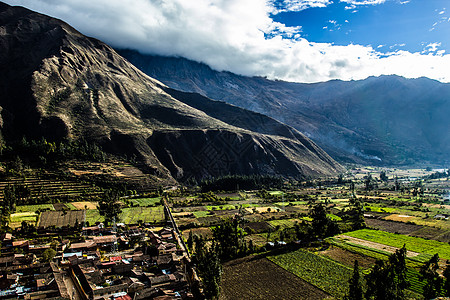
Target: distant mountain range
386 120
59 84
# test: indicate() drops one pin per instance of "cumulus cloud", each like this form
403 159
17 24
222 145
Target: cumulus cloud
234 35
363 2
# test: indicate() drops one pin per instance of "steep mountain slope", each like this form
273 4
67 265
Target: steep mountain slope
59 84
381 120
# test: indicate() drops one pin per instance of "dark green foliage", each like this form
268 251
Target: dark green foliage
48 254
356 214
236 182
383 176
446 286
229 237
322 226
209 269
355 289
387 280
109 206
46 152
428 272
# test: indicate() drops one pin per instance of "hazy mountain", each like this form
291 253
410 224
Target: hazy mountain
57 83
380 120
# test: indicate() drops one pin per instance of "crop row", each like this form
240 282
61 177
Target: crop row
322 272
398 240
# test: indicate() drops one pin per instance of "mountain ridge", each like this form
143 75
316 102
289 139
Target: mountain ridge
59 84
379 120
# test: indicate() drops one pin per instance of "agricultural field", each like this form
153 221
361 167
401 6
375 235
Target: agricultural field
18 218
259 278
418 245
130 215
320 271
59 218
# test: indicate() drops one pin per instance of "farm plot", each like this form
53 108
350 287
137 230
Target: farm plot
84 205
33 208
146 201
322 272
393 227
131 215
59 218
259 278
414 244
146 214
18 218
347 258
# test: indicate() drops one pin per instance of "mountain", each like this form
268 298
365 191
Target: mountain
59 84
386 120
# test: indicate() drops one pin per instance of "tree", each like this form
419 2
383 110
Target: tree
387 280
229 237
446 285
433 282
210 270
383 176
322 226
48 254
355 290
109 206
356 213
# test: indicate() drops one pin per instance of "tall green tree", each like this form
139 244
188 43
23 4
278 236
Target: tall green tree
230 238
356 213
322 226
433 282
387 280
355 289
109 206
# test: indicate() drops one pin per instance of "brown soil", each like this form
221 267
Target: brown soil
82 204
393 227
258 227
348 258
258 278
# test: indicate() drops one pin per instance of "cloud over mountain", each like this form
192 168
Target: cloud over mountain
236 35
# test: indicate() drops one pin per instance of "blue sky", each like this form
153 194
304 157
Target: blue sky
294 40
388 26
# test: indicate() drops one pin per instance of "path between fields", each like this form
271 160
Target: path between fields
374 245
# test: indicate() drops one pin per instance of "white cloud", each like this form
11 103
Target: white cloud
432 47
353 3
234 35
296 5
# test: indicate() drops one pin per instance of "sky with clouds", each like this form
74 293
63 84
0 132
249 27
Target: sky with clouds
294 40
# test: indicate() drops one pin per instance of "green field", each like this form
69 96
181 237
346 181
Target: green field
284 223
146 201
33 208
130 215
201 213
24 216
379 209
322 272
420 245
222 207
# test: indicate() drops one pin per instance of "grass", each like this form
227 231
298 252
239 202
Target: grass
284 223
33 208
23 216
201 213
397 240
146 201
222 207
322 272
379 209
130 215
